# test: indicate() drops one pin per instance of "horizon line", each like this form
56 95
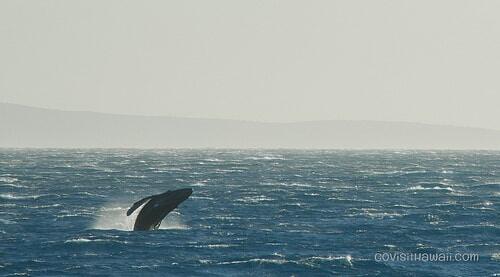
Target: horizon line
255 149
253 121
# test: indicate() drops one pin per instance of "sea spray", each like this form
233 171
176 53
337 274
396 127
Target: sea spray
113 216
326 205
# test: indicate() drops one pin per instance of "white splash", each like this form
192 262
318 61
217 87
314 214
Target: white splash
173 221
495 256
113 216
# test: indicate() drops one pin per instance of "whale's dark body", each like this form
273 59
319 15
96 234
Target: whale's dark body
157 207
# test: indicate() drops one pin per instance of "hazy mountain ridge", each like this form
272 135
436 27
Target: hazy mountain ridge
23 126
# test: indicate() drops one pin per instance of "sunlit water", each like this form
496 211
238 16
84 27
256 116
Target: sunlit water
260 212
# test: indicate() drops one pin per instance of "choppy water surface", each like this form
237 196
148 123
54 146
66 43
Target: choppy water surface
259 212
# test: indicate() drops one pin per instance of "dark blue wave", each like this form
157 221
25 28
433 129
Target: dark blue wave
253 212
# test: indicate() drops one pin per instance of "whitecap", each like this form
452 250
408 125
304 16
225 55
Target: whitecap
6 221
136 176
78 240
495 256
202 261
211 246
13 185
144 266
198 184
419 187
460 193
404 206
298 231
255 199
484 224
8 179
91 194
375 214
19 197
225 217
269 157
392 172
85 240
297 185
109 170
201 197
276 243
213 160
351 200
256 260
68 215
228 170
347 259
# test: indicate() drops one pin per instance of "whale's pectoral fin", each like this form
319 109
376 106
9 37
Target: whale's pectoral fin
157 226
137 205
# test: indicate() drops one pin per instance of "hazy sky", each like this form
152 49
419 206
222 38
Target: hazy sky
425 61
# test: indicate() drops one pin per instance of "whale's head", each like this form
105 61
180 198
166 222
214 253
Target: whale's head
182 194
171 198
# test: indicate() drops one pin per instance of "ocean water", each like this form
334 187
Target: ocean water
252 212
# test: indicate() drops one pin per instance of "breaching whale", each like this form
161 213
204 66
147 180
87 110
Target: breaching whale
157 207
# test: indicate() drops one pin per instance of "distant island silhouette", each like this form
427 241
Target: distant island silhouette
23 126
